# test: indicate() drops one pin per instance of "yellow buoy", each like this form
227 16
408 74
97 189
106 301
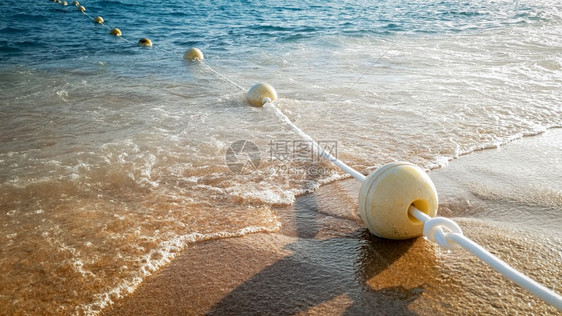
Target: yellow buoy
58 1
64 3
145 42
98 19
193 54
82 9
387 194
261 93
76 3
116 32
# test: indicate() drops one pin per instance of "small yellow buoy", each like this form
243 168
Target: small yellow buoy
98 19
261 93
193 54
58 1
64 3
76 3
116 32
82 9
387 194
145 42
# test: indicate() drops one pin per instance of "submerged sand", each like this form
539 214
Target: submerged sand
323 261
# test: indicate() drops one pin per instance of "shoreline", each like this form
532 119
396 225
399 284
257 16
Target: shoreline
324 261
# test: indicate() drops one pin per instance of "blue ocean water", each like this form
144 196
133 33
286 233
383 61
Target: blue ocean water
114 155
50 35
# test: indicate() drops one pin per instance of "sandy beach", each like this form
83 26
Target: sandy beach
324 262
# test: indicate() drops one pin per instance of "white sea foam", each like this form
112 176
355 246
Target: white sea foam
168 251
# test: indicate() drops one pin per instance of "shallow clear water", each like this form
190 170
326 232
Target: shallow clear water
114 157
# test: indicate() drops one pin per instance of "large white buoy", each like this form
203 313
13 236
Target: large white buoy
386 196
260 94
193 54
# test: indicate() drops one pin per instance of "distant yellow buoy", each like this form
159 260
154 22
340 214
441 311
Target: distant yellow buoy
98 19
193 54
386 196
260 94
116 32
58 1
82 9
76 3
145 42
64 3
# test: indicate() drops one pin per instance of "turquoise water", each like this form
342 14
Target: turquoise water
50 36
113 156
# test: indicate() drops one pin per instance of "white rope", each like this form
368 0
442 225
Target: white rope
86 14
321 151
433 230
223 77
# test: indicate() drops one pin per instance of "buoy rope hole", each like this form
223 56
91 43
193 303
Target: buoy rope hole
396 201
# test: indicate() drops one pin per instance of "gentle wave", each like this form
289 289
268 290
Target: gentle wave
167 251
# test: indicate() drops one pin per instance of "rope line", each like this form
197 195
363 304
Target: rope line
433 230
86 14
223 77
517 277
322 152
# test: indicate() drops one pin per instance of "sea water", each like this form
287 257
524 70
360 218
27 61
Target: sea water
115 157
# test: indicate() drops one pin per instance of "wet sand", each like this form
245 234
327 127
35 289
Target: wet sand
324 262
